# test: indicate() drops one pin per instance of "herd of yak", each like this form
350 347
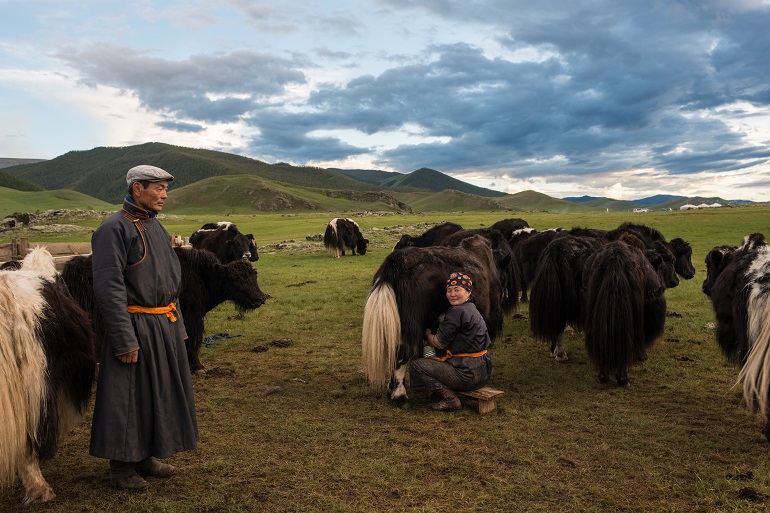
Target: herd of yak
608 284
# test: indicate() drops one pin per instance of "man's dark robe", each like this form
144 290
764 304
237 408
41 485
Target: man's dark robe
147 408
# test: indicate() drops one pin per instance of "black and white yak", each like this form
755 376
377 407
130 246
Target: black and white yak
738 284
206 283
226 242
344 235
408 295
47 365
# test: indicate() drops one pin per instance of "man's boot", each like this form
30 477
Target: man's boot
123 475
152 467
449 400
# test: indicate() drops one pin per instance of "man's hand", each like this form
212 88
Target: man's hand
129 357
430 338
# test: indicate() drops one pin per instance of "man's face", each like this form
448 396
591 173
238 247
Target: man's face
151 198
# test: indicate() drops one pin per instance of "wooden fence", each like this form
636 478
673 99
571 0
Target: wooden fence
61 251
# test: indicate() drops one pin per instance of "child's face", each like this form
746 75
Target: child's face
457 295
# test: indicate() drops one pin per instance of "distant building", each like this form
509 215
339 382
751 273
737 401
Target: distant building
641 210
687 207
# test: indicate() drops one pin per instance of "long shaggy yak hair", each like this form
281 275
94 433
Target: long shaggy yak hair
625 308
738 284
47 366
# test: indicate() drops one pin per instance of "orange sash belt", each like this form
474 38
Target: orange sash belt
449 355
157 310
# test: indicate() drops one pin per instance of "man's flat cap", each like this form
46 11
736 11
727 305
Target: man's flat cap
149 173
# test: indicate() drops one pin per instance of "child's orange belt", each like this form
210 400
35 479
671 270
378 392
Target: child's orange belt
168 310
449 355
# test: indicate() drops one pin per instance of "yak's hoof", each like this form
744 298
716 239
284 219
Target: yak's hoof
43 494
402 402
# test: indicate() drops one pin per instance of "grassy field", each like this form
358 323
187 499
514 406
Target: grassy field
297 429
12 201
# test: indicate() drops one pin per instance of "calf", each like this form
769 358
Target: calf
226 242
342 235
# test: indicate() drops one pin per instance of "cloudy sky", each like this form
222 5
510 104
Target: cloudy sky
615 98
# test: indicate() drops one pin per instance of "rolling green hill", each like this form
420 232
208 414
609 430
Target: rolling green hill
14 182
448 201
12 200
101 172
249 194
422 179
531 201
206 179
433 180
370 176
613 205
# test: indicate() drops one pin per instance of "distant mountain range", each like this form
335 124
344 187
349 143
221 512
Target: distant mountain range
241 184
423 178
652 200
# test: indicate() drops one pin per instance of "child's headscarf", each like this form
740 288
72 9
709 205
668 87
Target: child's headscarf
460 279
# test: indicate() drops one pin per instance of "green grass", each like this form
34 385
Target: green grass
677 439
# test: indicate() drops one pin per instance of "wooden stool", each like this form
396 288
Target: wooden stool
487 398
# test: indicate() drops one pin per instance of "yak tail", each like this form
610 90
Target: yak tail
22 368
551 295
40 261
614 320
381 334
755 374
330 239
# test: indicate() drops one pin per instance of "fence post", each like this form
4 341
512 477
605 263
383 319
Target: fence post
19 248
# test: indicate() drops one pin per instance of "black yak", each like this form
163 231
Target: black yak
206 283
625 306
510 225
430 237
556 298
409 294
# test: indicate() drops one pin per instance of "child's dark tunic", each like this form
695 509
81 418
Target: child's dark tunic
463 331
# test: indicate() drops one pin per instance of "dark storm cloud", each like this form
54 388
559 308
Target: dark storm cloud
181 127
207 88
619 90
285 138
603 86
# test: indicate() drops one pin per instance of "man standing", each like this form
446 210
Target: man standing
144 407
